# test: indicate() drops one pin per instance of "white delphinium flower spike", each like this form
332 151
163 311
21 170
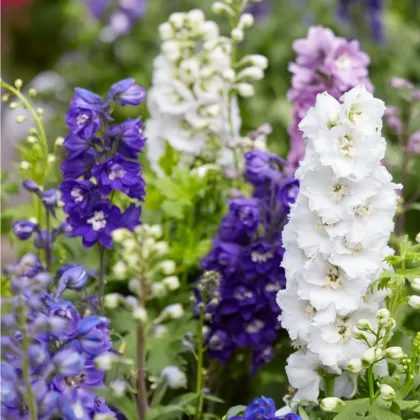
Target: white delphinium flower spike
336 240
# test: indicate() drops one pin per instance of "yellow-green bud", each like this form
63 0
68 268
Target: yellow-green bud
5 97
364 325
387 392
18 83
372 355
354 365
331 403
59 141
31 139
395 353
383 315
20 119
32 93
13 105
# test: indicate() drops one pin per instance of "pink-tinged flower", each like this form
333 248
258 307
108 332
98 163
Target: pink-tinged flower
401 83
414 143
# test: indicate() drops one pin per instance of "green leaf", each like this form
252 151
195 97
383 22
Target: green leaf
169 188
125 404
213 398
303 413
169 159
187 398
235 411
408 405
161 411
174 209
352 409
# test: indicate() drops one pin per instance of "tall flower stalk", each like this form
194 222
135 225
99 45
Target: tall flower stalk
335 241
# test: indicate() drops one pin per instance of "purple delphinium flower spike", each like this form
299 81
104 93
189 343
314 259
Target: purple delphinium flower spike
126 92
24 229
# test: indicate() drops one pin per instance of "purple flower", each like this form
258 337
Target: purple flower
69 316
131 217
126 92
68 362
97 225
24 229
93 335
401 83
288 192
129 136
31 186
414 143
77 145
259 167
78 196
74 277
50 199
117 173
242 221
83 122
80 165
260 10
223 255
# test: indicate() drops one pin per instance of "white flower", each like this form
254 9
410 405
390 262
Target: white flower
173 311
120 270
118 387
415 284
395 353
335 243
174 377
414 302
303 370
387 392
105 361
112 300
331 403
171 283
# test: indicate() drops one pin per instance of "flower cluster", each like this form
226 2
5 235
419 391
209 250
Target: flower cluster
336 238
192 103
102 159
121 15
247 254
325 63
264 409
372 11
49 349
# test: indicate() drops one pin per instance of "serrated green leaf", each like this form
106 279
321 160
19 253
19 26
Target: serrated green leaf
175 209
408 405
352 409
213 398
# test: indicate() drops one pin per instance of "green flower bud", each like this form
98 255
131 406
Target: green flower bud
354 365
414 302
383 315
372 355
387 392
395 353
18 83
331 403
364 325
32 93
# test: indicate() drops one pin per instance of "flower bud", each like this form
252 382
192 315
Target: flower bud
360 335
18 83
161 248
257 60
134 287
32 93
237 34
112 300
414 302
59 141
171 282
140 314
383 315
395 353
31 139
171 49
196 18
401 83
229 75
168 267
246 20
24 165
354 365
20 119
210 30
415 284
118 388
174 377
177 19
364 325
129 244
173 311
158 290
120 270
13 105
160 331
331 403
219 8
105 361
251 73
166 31
245 90
372 355
387 392
118 235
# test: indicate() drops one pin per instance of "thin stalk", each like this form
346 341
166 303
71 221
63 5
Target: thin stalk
101 291
29 397
47 245
329 386
200 354
370 382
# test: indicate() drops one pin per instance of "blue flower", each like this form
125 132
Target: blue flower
68 362
24 229
50 199
68 315
83 122
79 165
93 335
31 186
73 277
117 173
78 196
288 192
126 92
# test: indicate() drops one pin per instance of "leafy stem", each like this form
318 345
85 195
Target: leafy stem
101 291
200 354
329 386
370 382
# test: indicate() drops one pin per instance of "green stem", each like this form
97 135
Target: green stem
29 397
200 353
329 386
101 291
47 245
370 382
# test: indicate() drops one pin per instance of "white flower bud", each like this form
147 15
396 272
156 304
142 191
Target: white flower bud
120 270
331 403
246 90
31 139
364 325
210 30
130 244
383 316
158 290
173 311
132 260
246 20
140 314
18 83
415 284
395 353
51 158
229 75
251 73
414 302
196 18
134 287
118 387
256 60
177 19
360 335
161 248
112 300
20 119
59 141
354 365
237 34
171 49
155 231
160 331
219 8
166 31
387 392
24 165
372 355
171 282
168 267
105 361
118 235
174 377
